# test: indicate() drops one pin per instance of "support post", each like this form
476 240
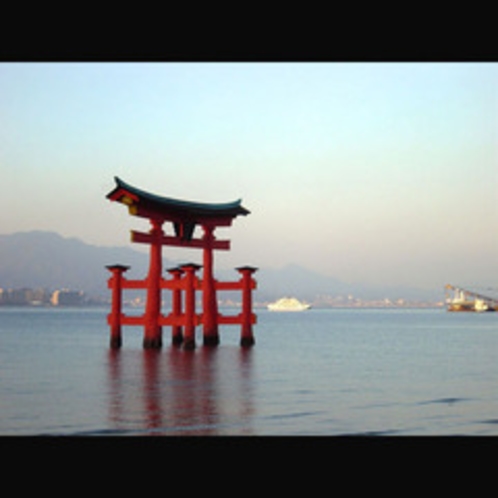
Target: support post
190 317
114 318
152 329
176 305
248 283
209 302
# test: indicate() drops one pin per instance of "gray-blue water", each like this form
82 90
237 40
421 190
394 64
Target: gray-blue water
320 372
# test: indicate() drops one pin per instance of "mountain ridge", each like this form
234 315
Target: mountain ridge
44 259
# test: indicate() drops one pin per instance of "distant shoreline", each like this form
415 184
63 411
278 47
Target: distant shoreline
259 306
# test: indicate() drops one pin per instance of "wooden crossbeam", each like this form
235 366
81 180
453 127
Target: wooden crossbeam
234 319
180 319
168 240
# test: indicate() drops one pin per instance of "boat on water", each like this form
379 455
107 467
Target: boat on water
460 302
465 300
480 306
289 304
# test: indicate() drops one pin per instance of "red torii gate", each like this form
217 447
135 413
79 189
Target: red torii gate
184 216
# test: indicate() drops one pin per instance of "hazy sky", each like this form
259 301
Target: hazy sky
375 173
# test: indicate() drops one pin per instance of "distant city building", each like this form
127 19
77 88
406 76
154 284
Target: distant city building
41 297
20 297
67 297
37 297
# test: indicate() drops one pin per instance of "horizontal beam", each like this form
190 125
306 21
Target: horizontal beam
133 284
234 319
227 286
143 284
232 286
180 319
180 284
162 320
168 240
132 320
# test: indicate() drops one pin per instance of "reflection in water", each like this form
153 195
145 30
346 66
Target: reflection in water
204 392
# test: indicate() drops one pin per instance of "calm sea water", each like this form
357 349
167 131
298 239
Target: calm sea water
321 372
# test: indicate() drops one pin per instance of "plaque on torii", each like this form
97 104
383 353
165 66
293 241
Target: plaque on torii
184 217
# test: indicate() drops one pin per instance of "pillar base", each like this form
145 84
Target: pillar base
211 340
247 342
155 343
189 344
115 342
177 340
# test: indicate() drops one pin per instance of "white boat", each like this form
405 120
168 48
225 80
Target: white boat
460 302
288 304
465 300
480 305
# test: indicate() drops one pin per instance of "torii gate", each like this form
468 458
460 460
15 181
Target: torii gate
184 216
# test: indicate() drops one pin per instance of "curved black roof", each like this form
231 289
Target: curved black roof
165 205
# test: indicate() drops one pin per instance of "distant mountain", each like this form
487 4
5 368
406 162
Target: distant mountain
45 259
294 280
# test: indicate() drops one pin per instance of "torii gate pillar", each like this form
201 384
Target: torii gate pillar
115 283
176 306
153 331
209 301
190 315
246 335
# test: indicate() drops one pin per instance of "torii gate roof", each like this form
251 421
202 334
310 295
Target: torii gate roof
145 204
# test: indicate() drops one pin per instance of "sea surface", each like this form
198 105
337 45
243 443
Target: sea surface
319 372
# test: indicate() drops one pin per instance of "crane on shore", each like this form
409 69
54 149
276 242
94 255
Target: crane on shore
466 300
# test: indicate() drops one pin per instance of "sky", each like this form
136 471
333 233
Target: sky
379 173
